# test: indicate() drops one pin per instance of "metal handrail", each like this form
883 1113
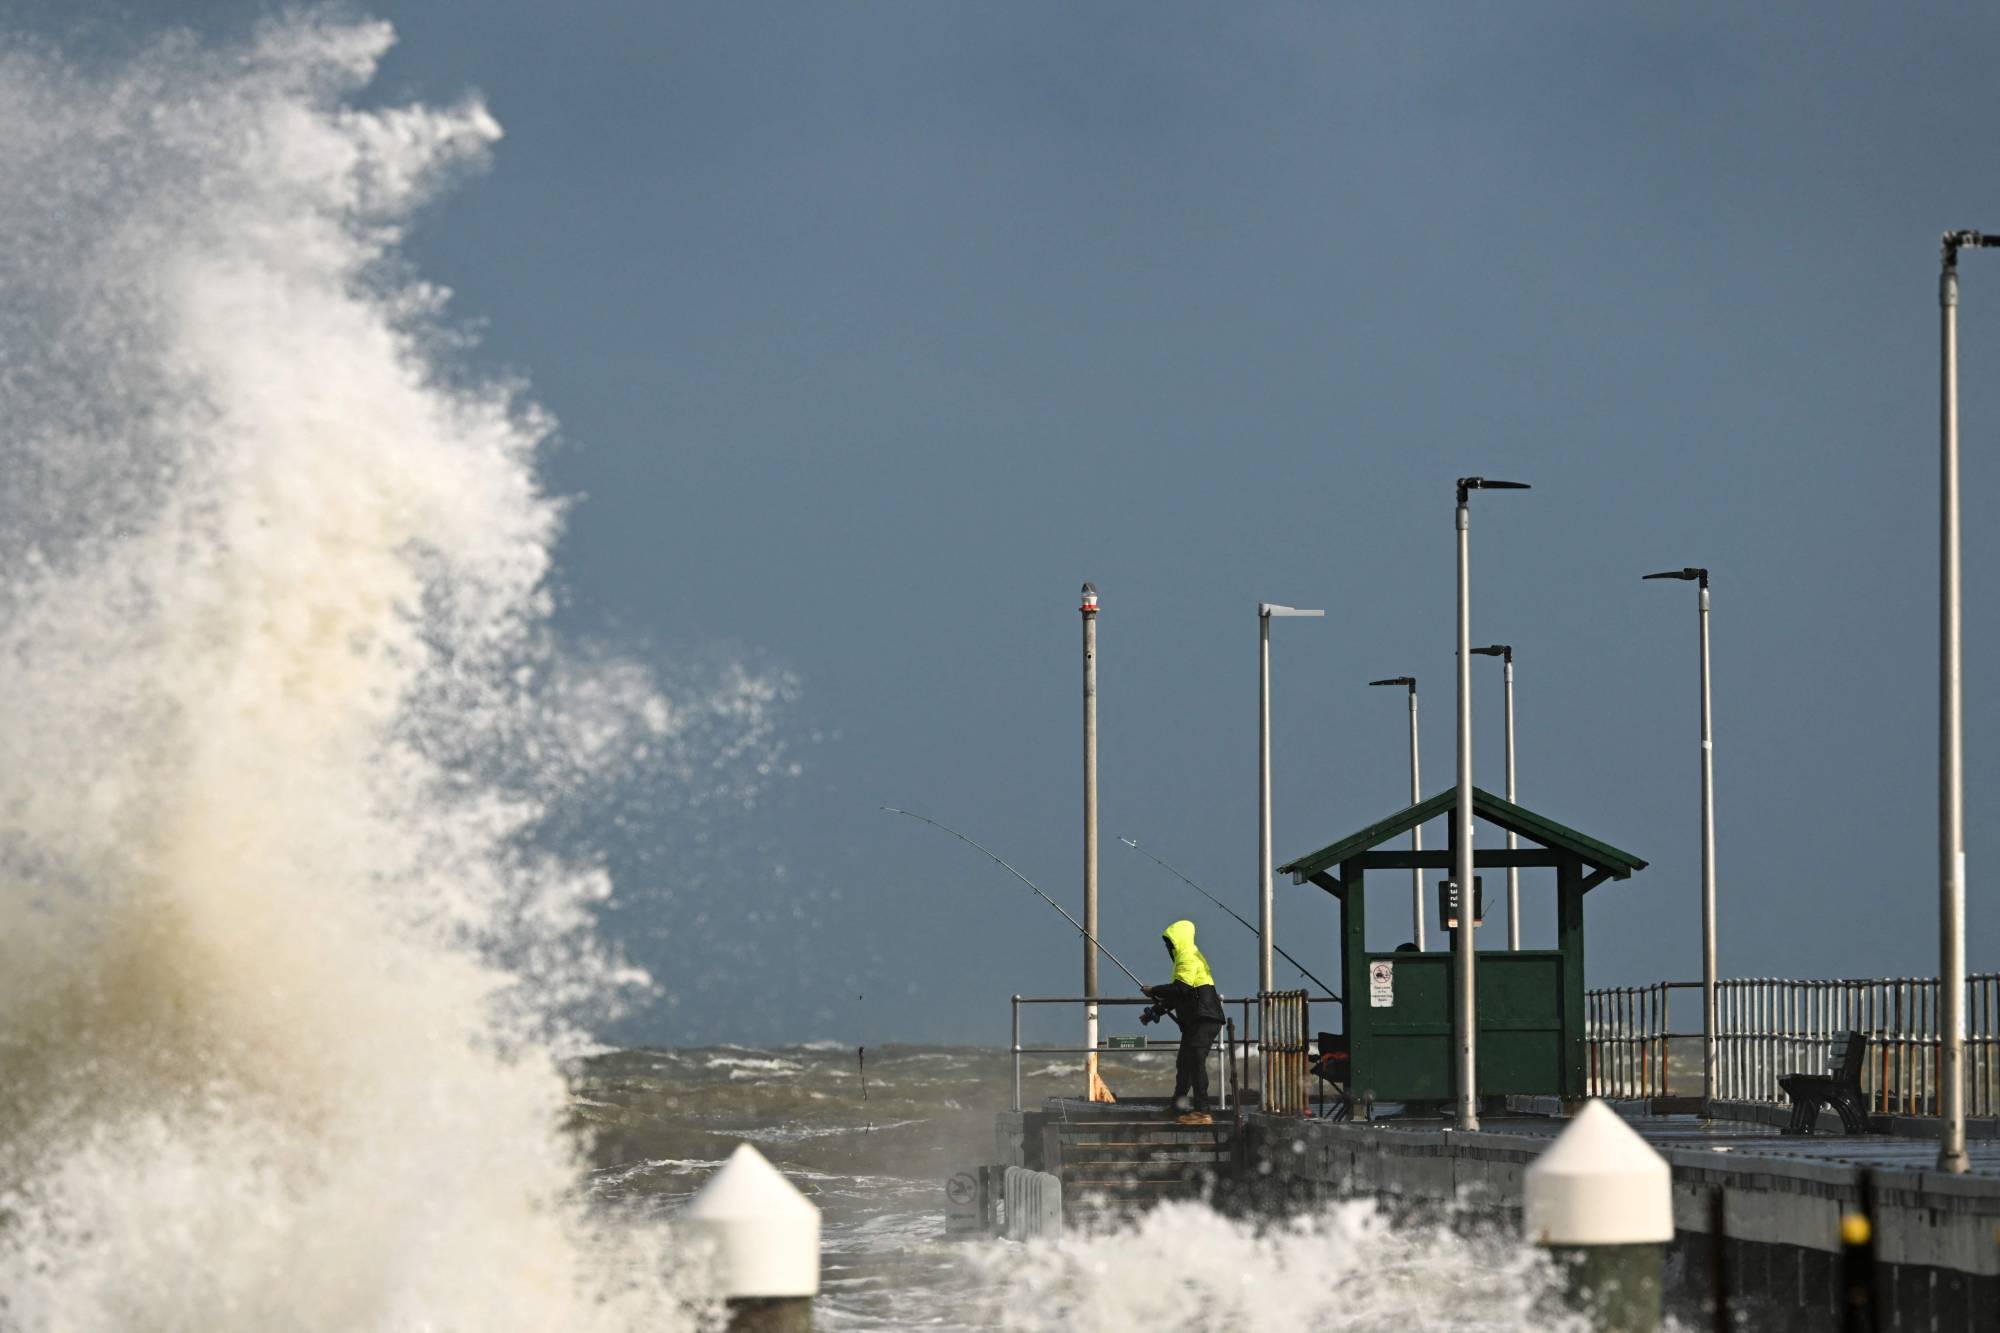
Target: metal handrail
1225 1082
1242 1043
1767 1027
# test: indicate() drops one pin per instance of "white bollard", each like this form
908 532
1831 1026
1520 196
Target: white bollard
766 1237
1601 1201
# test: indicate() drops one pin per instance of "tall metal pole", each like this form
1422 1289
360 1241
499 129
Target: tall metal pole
1505 651
1709 1052
1710 1059
1264 856
1461 842
1951 731
1265 937
1089 612
1513 872
1417 833
1466 1013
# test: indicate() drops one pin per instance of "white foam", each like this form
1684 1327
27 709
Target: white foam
1184 1267
281 981
750 1066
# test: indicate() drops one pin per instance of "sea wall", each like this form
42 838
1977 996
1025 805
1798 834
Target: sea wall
1938 1260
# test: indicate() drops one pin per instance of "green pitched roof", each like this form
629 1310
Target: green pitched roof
1485 805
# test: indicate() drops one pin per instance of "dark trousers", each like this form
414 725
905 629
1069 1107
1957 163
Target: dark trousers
1191 1065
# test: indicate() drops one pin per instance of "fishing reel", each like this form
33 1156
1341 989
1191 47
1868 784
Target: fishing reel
1152 1014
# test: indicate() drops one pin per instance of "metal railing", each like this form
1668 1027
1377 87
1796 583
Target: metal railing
1219 1053
1769 1027
1631 1044
1286 1032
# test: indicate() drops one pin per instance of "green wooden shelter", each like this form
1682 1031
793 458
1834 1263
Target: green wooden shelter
1399 1005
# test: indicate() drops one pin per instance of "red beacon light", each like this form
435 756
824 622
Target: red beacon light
1089 606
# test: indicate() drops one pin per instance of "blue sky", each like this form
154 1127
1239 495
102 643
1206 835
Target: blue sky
874 330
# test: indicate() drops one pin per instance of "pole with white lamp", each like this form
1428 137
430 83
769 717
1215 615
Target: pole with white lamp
1951 724
1709 1059
1466 1010
1266 612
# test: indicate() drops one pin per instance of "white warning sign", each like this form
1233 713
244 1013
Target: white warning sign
1382 985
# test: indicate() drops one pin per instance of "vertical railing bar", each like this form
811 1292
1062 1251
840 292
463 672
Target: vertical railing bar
1666 1026
1928 1052
1634 1064
1893 998
1985 1047
1761 1023
1618 1046
1017 1052
1905 1003
1735 1025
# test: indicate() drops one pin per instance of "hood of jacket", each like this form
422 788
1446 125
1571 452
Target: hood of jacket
1190 968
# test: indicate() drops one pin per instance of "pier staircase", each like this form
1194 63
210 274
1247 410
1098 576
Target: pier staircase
1115 1166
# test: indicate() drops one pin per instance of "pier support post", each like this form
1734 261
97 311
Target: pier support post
1600 1200
766 1238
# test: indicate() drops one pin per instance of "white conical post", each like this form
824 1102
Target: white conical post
766 1239
1601 1201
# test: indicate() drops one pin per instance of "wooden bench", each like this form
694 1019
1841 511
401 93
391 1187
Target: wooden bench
1839 1087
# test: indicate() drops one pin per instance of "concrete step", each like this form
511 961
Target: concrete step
1135 1191
1153 1169
1156 1162
1088 1149
1184 1138
1114 1168
1145 1134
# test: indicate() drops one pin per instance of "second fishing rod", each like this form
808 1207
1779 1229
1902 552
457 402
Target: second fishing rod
997 859
1078 926
1170 869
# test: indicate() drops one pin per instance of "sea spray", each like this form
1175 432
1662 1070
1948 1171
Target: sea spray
1183 1268
283 962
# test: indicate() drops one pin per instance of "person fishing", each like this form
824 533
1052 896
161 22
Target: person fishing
1194 1003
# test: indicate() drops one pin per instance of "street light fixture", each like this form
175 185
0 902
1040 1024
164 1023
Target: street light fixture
1951 725
1505 651
1467 1009
1708 978
1416 795
1266 611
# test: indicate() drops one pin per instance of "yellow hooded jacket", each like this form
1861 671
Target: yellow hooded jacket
1190 968
1191 995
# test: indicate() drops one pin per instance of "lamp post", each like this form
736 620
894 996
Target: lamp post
1708 1051
1265 612
1416 795
1505 651
1951 730
1467 1009
1093 1081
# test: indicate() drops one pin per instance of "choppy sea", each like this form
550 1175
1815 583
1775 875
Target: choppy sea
875 1162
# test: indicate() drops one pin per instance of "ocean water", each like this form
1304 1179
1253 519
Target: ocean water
294 993
662 1120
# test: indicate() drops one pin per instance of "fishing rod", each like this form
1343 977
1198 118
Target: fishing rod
1025 880
1232 911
